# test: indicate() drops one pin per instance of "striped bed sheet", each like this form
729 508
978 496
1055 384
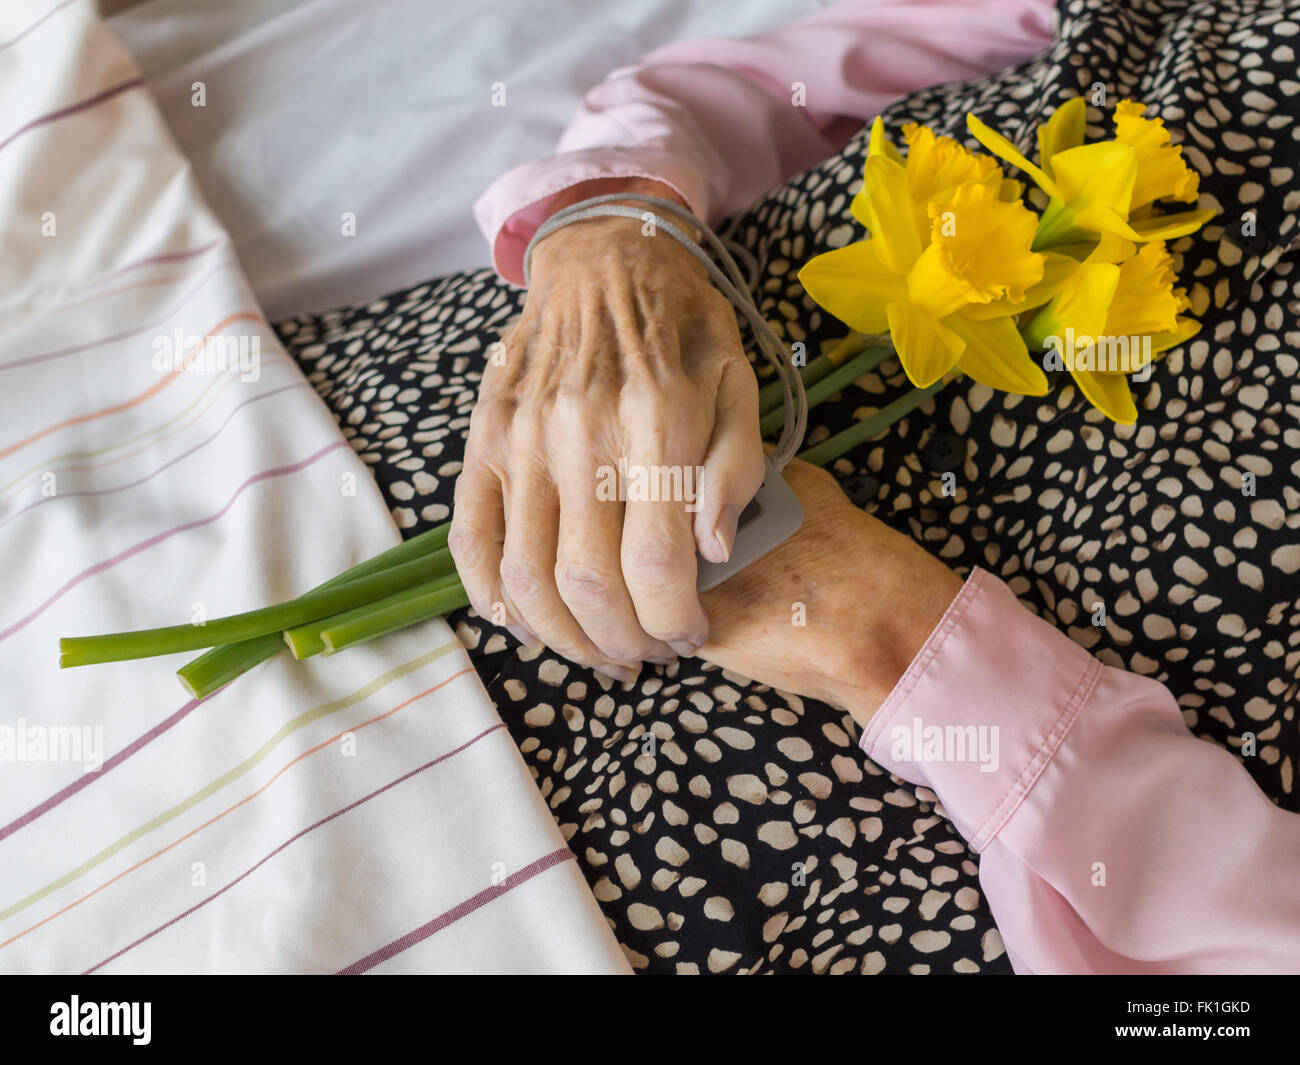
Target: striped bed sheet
162 460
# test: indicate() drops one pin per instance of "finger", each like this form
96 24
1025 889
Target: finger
666 442
528 571
475 540
588 570
733 465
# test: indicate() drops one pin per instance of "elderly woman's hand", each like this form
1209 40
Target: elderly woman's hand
625 358
838 611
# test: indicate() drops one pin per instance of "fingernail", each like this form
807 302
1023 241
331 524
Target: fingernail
617 673
522 634
725 530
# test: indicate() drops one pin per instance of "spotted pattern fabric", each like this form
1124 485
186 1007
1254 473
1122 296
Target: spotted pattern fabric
727 827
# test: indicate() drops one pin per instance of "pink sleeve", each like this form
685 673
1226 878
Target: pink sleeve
719 121
1111 840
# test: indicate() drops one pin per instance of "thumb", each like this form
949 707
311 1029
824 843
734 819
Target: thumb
733 463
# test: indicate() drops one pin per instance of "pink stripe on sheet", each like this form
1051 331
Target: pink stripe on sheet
48 15
293 839
72 109
161 469
77 349
109 763
153 260
144 545
475 902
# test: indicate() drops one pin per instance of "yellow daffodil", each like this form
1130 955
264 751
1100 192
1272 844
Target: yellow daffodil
1103 314
943 242
1096 188
962 275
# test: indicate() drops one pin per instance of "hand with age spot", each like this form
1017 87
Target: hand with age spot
624 351
871 597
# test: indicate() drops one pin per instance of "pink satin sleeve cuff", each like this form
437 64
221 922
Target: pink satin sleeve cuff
1110 838
724 120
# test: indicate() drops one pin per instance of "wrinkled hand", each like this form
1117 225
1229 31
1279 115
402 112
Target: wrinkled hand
868 598
624 353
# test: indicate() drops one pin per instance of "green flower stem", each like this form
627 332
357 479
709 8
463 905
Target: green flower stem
305 640
830 384
114 647
833 447
216 668
772 396
429 600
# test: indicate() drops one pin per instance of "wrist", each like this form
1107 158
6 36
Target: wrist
608 246
640 186
874 657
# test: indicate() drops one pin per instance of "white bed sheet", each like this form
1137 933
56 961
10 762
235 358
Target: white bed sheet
162 459
382 108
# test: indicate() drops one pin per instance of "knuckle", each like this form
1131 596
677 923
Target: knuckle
465 547
577 422
651 560
493 410
520 577
586 589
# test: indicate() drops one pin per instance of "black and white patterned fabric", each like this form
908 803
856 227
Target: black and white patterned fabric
727 827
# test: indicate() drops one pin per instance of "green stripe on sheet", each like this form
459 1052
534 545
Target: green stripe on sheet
253 760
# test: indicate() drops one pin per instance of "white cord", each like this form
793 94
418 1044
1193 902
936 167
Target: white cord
733 285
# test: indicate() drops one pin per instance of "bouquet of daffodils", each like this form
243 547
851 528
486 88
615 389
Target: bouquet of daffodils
961 274
966 278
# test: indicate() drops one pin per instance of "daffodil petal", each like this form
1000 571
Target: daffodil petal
885 207
995 355
1102 218
1064 130
1099 174
1169 226
1004 149
1081 305
1011 190
1184 330
1111 248
926 347
880 144
1079 252
853 285
1109 393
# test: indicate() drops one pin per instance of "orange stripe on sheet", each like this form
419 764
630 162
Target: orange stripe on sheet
117 408
231 809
